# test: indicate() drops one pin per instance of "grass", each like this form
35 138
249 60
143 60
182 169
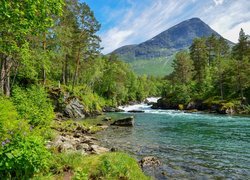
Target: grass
71 125
156 67
115 165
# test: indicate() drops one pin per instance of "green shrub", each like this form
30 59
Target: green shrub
33 105
22 150
90 100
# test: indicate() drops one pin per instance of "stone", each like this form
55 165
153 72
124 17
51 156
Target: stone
136 111
149 161
104 127
74 109
107 119
95 149
112 109
128 121
82 146
191 111
113 149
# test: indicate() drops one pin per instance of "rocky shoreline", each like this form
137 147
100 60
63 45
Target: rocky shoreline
74 137
209 106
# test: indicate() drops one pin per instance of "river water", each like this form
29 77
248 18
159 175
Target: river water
191 146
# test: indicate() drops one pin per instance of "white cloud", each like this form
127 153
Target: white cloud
140 24
114 38
145 19
233 33
229 18
218 2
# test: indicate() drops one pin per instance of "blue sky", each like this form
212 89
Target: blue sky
134 21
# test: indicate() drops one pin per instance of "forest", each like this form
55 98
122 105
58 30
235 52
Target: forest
212 72
47 44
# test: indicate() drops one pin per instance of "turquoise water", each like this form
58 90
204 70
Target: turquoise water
193 146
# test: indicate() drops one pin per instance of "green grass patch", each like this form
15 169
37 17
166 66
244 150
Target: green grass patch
113 165
155 67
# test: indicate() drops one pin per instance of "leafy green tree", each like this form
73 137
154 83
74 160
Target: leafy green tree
86 42
241 53
183 67
18 19
199 55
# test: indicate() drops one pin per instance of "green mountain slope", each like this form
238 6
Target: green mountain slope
153 57
156 67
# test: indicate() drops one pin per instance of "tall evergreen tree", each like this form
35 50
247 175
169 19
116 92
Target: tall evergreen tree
199 55
242 57
183 67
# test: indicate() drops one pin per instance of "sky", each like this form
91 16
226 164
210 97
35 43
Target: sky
127 22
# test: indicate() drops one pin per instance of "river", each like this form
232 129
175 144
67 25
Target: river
190 145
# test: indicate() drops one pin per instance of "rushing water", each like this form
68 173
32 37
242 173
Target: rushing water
192 146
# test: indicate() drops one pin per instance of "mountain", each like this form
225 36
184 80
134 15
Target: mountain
154 57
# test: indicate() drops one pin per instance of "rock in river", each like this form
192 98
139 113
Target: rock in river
128 121
149 161
136 111
111 109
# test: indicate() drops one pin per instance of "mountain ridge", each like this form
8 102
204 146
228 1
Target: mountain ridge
167 43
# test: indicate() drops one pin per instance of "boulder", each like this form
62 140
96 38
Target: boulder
165 103
63 144
112 109
152 166
107 119
74 109
136 111
128 121
58 97
191 111
83 146
95 149
149 161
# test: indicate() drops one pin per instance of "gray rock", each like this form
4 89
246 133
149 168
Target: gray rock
152 166
74 109
63 144
112 109
107 119
82 146
128 121
98 149
149 161
136 111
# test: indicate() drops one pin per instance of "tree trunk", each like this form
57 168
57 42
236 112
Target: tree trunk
44 48
221 88
221 78
239 79
76 70
5 75
65 71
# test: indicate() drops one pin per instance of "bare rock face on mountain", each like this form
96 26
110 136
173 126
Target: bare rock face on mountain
168 42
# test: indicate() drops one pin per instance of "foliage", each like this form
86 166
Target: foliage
22 150
217 72
33 105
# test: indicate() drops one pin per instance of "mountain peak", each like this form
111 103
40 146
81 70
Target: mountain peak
194 19
167 43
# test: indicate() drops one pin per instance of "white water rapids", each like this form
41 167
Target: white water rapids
141 107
